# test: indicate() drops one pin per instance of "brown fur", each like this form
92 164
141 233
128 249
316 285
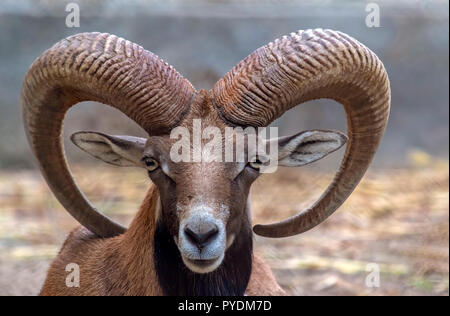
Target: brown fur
303 66
124 265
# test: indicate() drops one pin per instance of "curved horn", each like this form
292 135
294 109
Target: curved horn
304 66
103 68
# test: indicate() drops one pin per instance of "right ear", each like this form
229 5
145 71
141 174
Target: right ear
122 151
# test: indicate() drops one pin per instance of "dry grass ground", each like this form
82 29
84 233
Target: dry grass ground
397 219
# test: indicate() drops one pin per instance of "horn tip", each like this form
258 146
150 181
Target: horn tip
266 231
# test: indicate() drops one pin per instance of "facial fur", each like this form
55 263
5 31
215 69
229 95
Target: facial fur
201 197
204 203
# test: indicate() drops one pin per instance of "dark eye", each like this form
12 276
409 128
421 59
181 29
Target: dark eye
256 164
150 163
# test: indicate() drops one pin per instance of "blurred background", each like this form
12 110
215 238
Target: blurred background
398 216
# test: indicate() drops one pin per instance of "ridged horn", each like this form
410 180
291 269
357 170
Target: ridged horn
103 68
304 66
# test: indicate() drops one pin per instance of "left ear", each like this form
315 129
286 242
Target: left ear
308 146
122 151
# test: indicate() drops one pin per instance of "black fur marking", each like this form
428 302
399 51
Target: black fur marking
230 279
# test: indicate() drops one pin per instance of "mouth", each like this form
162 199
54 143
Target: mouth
203 266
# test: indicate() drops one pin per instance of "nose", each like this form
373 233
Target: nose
201 234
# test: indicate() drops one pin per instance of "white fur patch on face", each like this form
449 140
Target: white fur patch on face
209 257
203 269
230 240
165 167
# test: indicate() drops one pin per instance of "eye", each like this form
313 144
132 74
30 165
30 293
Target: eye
150 163
256 164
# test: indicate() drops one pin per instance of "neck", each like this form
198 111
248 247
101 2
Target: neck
153 264
230 279
137 248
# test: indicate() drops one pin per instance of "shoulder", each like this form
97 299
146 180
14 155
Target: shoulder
77 249
79 237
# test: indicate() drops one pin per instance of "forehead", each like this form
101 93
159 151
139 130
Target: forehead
162 147
197 128
206 138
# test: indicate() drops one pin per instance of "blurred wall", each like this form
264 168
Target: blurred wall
204 39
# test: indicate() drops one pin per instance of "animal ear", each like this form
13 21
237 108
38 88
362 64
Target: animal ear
122 151
308 146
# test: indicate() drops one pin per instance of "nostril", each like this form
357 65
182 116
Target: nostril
191 235
201 238
210 234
